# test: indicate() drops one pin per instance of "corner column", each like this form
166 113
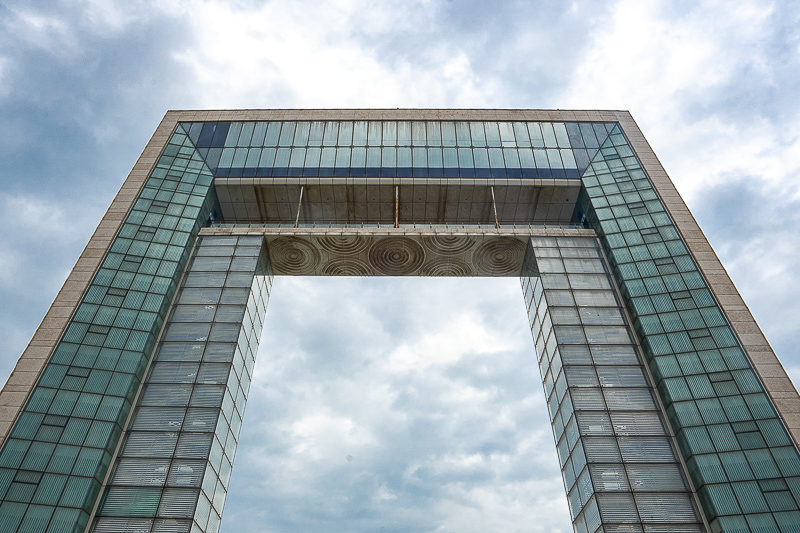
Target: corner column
620 469
172 471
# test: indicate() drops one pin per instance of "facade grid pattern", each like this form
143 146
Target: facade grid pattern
619 468
739 454
69 456
428 149
54 462
173 469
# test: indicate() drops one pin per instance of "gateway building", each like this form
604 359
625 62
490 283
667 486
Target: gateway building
669 409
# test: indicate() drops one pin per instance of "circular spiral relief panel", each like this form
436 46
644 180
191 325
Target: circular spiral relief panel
446 268
346 267
343 244
396 256
500 256
292 255
447 244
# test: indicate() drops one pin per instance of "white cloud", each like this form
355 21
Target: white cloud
662 65
288 54
437 423
109 16
43 30
389 411
38 215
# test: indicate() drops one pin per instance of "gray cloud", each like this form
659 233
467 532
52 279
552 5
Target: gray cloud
393 432
444 428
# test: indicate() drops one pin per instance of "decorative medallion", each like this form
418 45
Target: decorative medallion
343 244
346 267
447 244
292 255
446 268
501 256
396 256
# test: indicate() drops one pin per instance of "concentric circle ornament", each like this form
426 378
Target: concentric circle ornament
447 244
446 268
292 255
396 256
346 267
500 257
343 244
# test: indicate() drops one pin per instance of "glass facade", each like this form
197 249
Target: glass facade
173 469
619 466
435 149
58 454
740 457
660 421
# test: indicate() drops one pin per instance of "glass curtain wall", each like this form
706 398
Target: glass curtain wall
740 457
619 467
55 460
172 472
428 149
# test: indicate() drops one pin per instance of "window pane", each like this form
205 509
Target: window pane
462 134
345 133
448 134
287 134
331 134
404 134
374 133
360 133
534 128
301 134
492 133
418 134
478 134
390 134
315 134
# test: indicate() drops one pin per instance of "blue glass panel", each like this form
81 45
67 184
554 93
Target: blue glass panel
259 132
273 134
233 134
360 133
331 134
463 137
389 134
316 132
287 133
373 160
220 134
301 134
535 130
246 135
477 133
404 134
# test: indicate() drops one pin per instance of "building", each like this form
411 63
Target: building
670 411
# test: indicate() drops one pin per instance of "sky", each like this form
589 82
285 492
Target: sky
399 404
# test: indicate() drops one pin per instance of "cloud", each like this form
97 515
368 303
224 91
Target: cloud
711 87
284 53
649 53
446 421
398 404
754 222
39 244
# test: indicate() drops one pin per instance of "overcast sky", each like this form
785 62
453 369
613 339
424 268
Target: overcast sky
399 404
